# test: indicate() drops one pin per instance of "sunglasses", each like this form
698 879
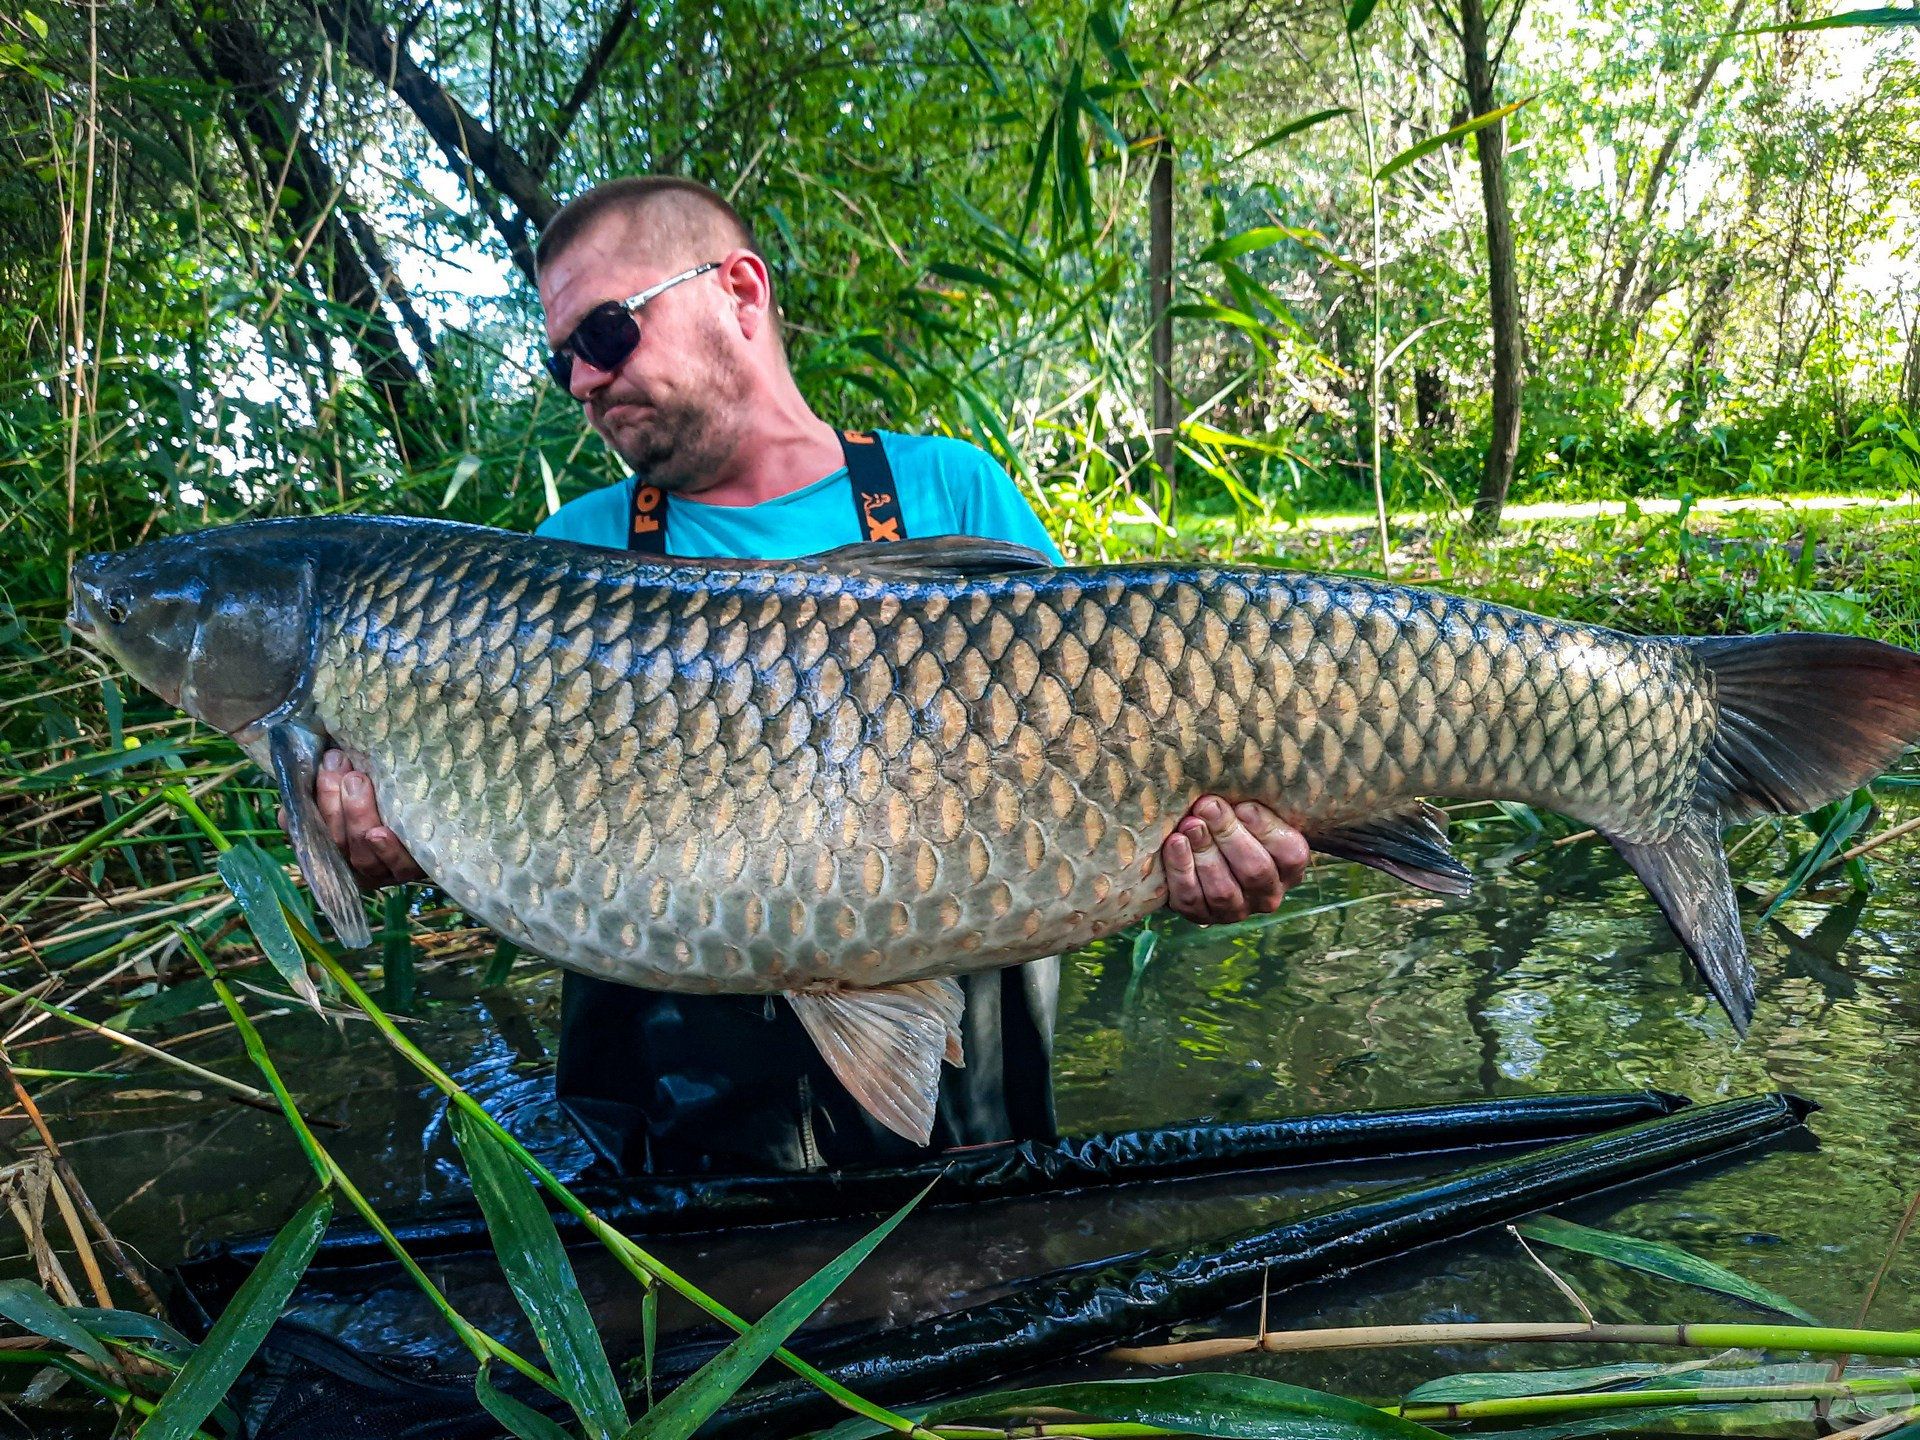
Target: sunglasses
607 334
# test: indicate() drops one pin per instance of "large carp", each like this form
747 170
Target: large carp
851 777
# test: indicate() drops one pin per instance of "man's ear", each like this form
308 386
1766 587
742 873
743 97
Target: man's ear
743 275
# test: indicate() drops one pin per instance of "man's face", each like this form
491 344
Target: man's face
671 408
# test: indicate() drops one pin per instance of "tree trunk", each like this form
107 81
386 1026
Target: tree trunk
1160 303
1503 283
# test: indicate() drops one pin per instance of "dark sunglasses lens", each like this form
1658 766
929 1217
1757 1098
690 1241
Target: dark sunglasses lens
560 367
606 337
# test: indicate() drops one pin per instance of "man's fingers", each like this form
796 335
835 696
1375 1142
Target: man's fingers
1183 886
1225 902
1286 845
398 862
1251 869
360 814
326 794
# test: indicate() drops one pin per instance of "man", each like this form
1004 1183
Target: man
661 317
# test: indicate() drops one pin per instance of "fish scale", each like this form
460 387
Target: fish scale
854 776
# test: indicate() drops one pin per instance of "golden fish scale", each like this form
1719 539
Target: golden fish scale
777 778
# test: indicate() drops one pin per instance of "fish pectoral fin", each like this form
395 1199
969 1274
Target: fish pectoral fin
886 1045
1410 845
1687 873
294 752
935 557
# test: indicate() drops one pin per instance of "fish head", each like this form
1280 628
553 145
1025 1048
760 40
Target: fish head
221 624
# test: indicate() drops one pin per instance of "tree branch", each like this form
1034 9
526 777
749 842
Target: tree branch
545 145
473 150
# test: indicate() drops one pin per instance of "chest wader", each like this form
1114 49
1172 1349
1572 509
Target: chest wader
686 1083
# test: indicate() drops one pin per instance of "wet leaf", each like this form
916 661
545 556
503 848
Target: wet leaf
131 1325
714 1383
542 1278
1656 1257
1237 1407
29 1307
211 1370
247 869
521 1420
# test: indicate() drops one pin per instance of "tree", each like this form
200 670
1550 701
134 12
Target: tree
1471 23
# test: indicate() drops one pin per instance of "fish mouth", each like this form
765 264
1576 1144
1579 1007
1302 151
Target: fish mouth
85 590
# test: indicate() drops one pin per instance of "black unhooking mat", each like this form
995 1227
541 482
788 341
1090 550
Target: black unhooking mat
305 1384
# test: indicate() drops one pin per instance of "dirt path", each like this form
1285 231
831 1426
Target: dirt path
1589 509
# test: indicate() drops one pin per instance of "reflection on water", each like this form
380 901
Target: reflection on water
1558 974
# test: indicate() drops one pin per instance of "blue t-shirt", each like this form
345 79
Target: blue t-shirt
946 487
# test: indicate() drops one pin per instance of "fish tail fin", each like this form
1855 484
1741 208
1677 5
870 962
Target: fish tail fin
1802 720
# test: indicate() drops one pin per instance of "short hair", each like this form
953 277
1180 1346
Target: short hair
691 212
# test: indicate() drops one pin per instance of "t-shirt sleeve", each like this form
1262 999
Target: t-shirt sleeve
991 506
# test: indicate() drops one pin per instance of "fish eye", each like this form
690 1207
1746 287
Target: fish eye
117 611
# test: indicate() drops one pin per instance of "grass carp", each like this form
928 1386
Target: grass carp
854 776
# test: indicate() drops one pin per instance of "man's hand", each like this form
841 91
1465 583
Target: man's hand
1224 863
353 819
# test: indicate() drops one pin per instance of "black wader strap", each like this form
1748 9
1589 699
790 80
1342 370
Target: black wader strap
876 502
647 525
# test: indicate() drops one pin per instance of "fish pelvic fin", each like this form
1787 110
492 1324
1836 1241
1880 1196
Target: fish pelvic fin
1410 845
885 1045
1687 875
1803 719
293 751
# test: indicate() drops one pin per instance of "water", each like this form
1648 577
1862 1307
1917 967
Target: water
1558 974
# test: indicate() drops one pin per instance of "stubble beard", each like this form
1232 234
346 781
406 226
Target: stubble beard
685 447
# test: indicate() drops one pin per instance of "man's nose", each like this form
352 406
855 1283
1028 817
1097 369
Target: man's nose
586 379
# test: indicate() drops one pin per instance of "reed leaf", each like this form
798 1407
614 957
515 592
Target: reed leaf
1656 1257
27 1306
519 1418
543 1280
1483 1385
247 870
1233 1407
211 1370
1446 137
714 1383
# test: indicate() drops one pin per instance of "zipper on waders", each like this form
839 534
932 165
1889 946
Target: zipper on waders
810 1154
